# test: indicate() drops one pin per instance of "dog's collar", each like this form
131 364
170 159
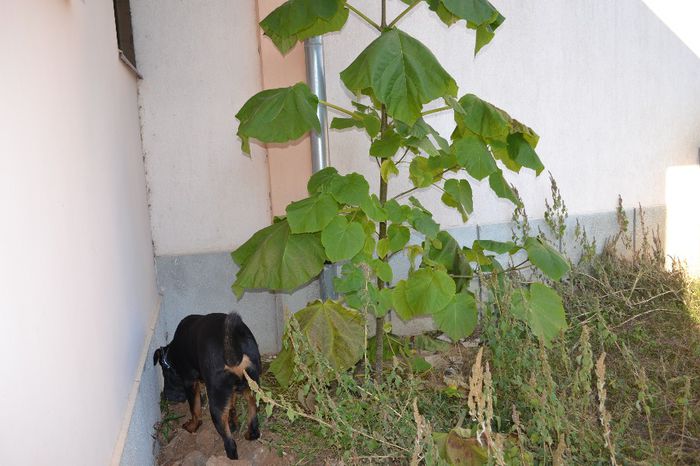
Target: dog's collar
164 360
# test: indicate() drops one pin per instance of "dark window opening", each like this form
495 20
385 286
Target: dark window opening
125 36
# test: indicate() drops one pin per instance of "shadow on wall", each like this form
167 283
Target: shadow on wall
683 215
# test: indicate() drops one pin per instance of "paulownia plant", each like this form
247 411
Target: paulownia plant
342 222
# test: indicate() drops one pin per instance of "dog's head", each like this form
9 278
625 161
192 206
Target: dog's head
173 387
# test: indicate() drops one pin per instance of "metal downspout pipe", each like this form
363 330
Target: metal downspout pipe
320 156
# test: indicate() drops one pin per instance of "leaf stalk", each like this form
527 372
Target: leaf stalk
403 13
367 19
436 110
339 109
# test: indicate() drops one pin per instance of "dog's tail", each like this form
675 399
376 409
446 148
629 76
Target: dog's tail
233 336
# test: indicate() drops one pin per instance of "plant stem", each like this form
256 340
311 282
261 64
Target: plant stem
403 13
383 14
379 322
363 16
436 110
340 109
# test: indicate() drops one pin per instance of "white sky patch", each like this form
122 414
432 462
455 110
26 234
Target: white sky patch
682 17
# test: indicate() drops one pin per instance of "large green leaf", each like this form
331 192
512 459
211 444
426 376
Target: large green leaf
482 118
311 214
509 140
396 212
333 330
388 168
426 291
382 270
337 332
321 180
276 259
423 222
350 189
385 146
546 258
521 151
499 247
418 137
474 156
401 73
420 173
502 188
398 236
282 367
452 257
352 278
479 15
278 115
373 208
458 194
342 239
541 308
369 122
461 449
459 318
297 20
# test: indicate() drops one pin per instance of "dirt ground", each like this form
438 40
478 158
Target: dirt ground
205 447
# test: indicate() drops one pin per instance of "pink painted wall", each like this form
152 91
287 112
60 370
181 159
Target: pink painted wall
289 164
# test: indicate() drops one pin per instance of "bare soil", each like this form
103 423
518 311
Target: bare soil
205 447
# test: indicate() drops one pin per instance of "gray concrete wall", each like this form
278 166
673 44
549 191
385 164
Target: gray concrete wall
600 226
201 284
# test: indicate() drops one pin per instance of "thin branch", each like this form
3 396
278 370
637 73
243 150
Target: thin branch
636 316
267 399
403 13
498 272
363 16
339 109
403 156
415 188
436 110
408 191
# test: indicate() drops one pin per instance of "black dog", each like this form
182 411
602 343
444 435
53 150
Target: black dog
214 349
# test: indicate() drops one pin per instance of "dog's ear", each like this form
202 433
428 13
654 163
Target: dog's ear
157 355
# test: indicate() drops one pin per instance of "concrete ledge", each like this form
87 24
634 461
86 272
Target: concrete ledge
135 444
598 226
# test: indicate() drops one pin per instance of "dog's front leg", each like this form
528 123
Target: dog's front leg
192 390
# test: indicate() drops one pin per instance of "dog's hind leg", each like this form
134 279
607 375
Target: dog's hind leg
253 429
192 390
233 416
220 409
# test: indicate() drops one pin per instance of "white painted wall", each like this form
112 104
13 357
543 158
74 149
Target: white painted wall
612 92
78 283
200 63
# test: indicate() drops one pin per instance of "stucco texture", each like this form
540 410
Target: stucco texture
608 87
